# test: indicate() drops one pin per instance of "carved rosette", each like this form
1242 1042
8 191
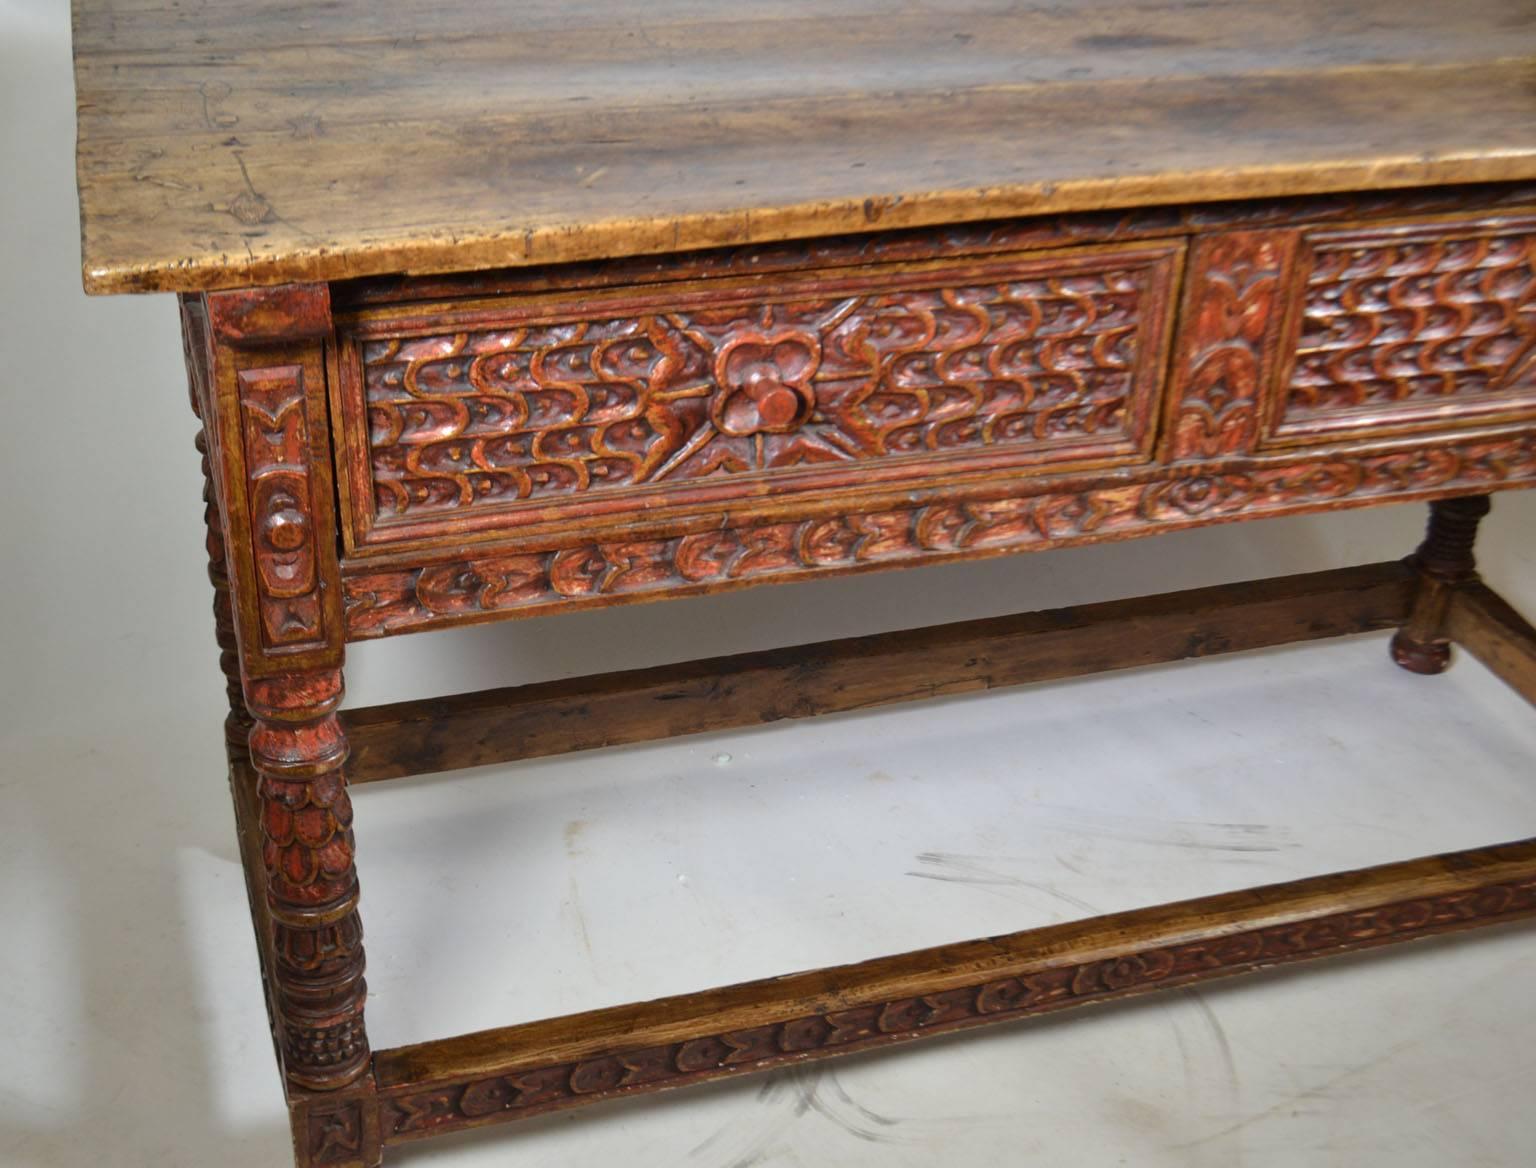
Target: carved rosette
765 383
298 748
410 1112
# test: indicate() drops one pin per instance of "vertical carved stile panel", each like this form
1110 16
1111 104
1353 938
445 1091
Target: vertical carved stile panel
282 505
1233 307
272 447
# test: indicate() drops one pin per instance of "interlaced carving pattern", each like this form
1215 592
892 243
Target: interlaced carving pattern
1415 320
554 409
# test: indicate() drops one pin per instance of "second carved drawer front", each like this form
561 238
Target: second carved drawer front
1410 326
686 401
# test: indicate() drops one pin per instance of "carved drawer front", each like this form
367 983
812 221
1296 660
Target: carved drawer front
1402 328
525 415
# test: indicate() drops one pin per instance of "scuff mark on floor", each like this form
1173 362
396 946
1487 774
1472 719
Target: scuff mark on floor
959 868
1212 1087
781 1102
1196 835
573 912
1318 1091
852 1117
788 1096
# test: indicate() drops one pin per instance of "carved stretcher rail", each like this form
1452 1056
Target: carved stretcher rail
528 1070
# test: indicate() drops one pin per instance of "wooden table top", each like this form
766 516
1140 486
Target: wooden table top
242 142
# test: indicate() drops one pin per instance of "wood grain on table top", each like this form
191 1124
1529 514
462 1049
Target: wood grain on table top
242 142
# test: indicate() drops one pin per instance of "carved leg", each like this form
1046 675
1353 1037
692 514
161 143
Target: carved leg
1444 560
298 748
258 364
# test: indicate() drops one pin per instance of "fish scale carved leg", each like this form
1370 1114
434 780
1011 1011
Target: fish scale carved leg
298 748
1444 561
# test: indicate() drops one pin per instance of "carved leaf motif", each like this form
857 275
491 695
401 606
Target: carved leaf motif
1231 318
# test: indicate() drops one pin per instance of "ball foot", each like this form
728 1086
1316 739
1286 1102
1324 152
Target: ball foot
1426 657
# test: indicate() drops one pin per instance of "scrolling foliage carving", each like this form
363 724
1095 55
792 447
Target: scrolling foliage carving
385 601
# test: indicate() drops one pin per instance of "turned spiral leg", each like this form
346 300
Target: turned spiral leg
237 727
298 747
1443 560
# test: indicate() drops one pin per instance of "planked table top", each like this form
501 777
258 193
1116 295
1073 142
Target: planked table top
230 143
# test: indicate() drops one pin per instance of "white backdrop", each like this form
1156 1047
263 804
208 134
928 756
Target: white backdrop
130 1023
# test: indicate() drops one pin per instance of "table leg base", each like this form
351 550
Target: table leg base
521 1071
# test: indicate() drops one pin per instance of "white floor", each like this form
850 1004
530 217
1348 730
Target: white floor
131 1029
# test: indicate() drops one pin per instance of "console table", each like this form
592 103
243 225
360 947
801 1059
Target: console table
492 311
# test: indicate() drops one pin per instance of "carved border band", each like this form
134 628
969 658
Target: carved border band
409 1113
385 601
